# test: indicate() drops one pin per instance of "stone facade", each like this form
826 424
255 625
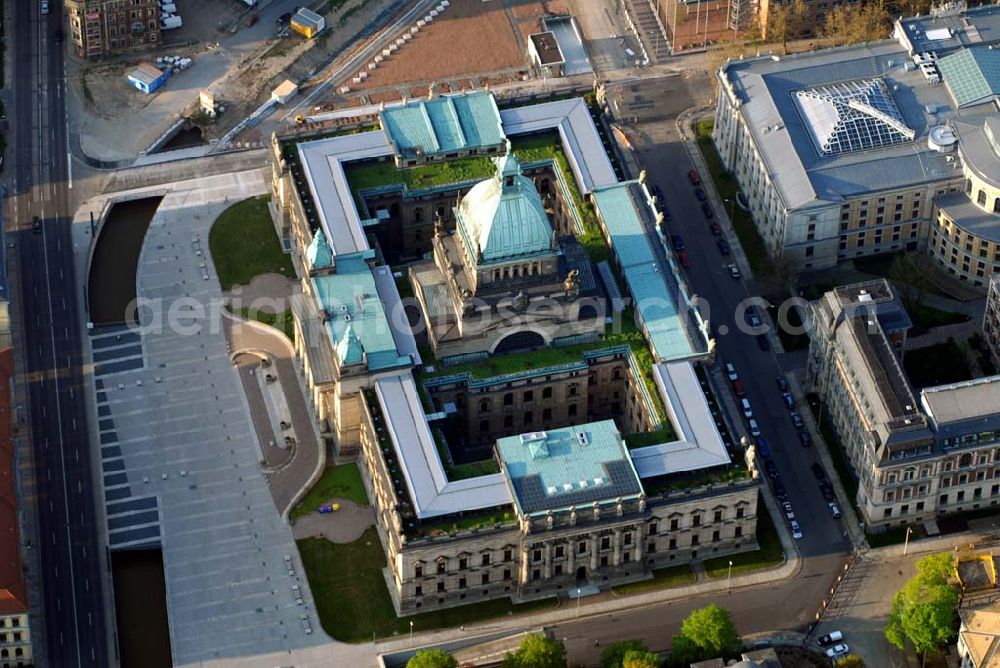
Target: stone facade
443 565
15 641
912 465
103 27
991 319
602 386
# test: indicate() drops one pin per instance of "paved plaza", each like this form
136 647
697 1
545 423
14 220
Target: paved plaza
179 452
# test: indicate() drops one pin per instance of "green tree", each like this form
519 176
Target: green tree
613 655
637 658
923 611
432 658
706 633
911 273
852 23
537 651
850 661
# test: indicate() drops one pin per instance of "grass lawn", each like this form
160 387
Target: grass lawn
641 439
466 470
726 186
928 317
663 578
342 482
894 536
353 602
365 175
770 552
283 321
244 244
938 364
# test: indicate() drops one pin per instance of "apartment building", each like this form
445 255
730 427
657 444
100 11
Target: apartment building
917 455
103 27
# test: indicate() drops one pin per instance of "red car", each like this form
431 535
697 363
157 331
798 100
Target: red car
738 389
694 177
682 257
251 20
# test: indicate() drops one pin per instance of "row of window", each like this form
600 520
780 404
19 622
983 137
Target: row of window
943 500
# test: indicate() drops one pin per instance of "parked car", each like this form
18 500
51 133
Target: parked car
665 211
818 471
754 428
251 20
745 407
796 530
734 271
677 242
694 177
806 438
764 451
284 19
789 512
706 209
830 638
826 489
782 383
789 400
763 343
45 6
716 230
838 650
731 372
700 194
834 510
771 468
780 491
723 246
683 258
752 318
796 419
36 225
738 389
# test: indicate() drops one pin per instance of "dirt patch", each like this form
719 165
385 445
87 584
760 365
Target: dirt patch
343 526
453 45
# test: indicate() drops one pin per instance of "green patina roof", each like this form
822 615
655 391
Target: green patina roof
972 75
318 253
356 321
503 216
570 466
445 124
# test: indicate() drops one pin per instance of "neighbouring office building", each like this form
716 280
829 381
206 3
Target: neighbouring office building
873 148
991 319
104 27
917 455
582 463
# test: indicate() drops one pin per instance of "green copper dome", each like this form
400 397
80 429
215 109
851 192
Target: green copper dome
503 217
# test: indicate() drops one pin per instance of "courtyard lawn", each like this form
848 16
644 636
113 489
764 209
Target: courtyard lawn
243 244
365 175
337 482
770 552
928 317
726 186
354 605
938 364
663 578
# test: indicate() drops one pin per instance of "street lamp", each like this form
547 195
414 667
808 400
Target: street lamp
732 208
729 575
578 597
411 633
906 541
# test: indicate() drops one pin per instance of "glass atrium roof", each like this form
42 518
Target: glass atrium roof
852 116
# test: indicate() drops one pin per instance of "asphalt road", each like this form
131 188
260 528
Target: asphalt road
75 628
786 606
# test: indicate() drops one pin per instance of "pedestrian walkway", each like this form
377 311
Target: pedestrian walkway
291 482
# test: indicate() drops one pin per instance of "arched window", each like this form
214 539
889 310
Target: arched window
418 214
968 186
996 205
981 198
965 460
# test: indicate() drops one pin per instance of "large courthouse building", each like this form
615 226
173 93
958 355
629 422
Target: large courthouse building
874 148
460 265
